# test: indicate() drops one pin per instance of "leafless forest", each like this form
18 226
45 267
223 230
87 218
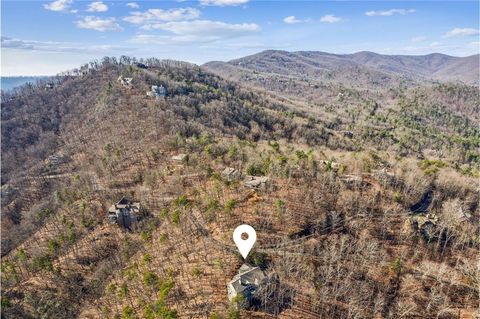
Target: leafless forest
370 209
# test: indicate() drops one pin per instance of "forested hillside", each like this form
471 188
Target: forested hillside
369 209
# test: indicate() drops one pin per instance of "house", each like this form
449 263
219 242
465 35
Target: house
49 86
124 213
352 181
57 159
180 158
126 82
330 165
425 224
245 282
230 173
256 182
157 91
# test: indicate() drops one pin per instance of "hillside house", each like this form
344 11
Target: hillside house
256 182
245 282
180 158
354 181
230 173
157 92
126 82
57 159
49 86
125 213
425 224
330 165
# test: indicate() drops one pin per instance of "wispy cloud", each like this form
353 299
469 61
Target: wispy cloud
461 32
207 26
419 38
55 46
99 24
97 6
133 5
223 3
153 16
387 13
58 5
330 18
196 31
8 42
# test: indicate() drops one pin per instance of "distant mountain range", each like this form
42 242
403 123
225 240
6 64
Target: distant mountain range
358 67
10 82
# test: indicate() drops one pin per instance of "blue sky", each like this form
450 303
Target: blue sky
46 37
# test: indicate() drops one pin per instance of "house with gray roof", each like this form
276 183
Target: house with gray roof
245 282
125 213
157 91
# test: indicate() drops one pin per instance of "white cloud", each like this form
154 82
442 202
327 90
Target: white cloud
153 16
291 20
197 31
99 24
461 32
390 12
207 27
97 6
419 38
55 46
330 18
74 11
58 5
133 5
222 3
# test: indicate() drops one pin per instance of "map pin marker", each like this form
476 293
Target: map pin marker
244 245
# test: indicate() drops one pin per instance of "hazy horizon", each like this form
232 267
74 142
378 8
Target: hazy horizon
199 64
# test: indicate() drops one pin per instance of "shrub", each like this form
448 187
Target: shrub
280 206
123 290
258 259
150 279
258 169
197 272
397 197
397 266
229 205
274 145
430 167
43 263
301 155
232 152
127 313
53 246
147 257
182 200
176 217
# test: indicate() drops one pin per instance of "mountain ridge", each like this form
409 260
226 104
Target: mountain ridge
433 66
